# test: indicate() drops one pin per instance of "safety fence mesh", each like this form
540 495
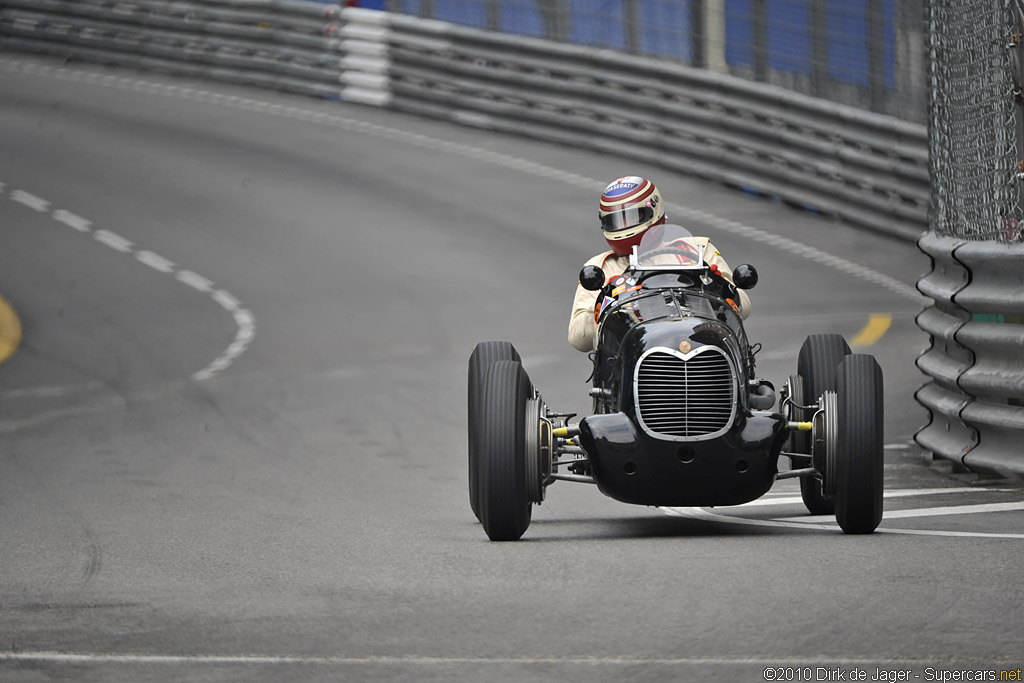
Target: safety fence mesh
974 127
868 54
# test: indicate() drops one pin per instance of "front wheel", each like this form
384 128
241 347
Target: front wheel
859 444
504 502
484 355
819 356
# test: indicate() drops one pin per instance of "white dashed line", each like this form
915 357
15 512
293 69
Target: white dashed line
113 240
243 318
30 200
225 299
506 161
195 281
71 220
155 261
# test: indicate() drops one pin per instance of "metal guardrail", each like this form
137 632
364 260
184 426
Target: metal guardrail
867 169
976 358
283 44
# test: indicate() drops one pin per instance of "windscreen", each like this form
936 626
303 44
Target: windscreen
669 246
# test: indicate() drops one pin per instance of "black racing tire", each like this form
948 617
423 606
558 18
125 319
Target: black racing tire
816 365
860 461
481 359
505 506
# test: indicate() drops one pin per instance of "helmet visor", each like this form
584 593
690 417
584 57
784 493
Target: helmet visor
626 218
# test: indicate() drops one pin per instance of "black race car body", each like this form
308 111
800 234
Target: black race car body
680 419
672 381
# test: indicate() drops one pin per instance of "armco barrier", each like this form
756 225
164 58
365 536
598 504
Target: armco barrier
976 359
867 169
288 45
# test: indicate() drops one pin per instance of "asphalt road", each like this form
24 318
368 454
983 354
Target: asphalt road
232 439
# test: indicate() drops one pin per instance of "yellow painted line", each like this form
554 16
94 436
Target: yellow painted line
878 325
10 330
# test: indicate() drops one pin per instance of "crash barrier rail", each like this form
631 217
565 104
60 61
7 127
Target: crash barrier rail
289 45
865 168
976 357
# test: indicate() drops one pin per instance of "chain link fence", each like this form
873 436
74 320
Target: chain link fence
868 54
974 128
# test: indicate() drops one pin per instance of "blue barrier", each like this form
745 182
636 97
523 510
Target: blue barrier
788 25
522 18
470 13
597 22
739 33
665 28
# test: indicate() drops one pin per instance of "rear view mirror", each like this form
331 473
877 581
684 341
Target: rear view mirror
591 278
745 276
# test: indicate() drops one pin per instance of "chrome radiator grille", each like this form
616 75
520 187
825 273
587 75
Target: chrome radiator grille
685 397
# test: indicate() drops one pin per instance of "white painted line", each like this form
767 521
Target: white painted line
30 200
923 512
194 280
895 493
708 516
113 240
244 318
954 510
420 660
225 299
71 220
155 261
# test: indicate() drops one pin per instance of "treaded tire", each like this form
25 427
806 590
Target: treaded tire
481 359
860 461
505 507
819 356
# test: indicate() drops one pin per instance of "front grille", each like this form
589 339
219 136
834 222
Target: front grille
685 397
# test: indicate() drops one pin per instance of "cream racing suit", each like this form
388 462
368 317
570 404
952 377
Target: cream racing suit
582 327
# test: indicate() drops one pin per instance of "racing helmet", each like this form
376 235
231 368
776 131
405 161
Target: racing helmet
629 206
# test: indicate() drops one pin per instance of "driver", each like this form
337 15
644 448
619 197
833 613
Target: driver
629 207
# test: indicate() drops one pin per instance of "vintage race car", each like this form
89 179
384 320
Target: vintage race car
680 418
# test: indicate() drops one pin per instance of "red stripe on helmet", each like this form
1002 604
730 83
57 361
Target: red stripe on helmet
619 203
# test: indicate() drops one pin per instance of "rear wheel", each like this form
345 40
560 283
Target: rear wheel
859 444
483 356
816 366
504 501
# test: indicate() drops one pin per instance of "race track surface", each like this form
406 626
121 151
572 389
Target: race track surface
233 439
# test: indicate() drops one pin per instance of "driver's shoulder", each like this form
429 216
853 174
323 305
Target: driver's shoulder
600 259
609 261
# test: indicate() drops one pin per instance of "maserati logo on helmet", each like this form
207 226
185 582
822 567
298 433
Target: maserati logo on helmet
685 346
620 187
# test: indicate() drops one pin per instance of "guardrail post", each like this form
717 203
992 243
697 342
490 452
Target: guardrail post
631 20
759 31
698 53
714 36
555 15
819 48
493 15
875 21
